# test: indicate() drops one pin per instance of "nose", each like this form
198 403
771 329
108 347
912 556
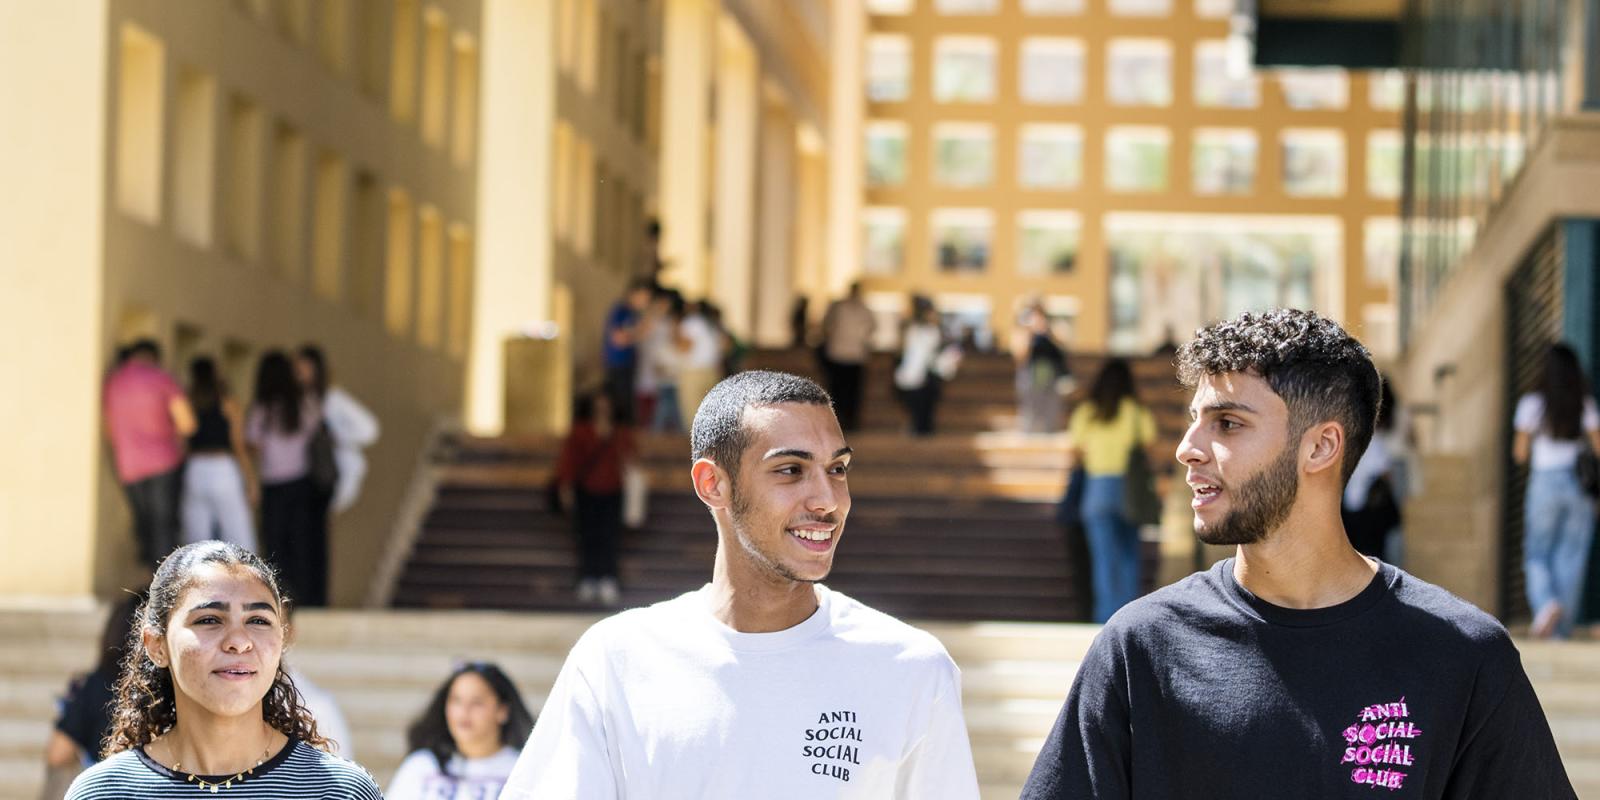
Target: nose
1189 452
236 640
824 497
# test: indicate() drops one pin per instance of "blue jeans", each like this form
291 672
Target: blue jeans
668 415
1558 527
1113 546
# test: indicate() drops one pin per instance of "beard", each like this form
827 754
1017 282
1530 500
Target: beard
1260 504
740 511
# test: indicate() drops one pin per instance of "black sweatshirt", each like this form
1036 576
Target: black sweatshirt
1204 690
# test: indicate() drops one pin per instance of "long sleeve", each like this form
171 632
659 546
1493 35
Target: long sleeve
1089 751
941 763
351 424
568 754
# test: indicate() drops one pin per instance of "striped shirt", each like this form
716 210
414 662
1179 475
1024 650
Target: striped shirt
298 772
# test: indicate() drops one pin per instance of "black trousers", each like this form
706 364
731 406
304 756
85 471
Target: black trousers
154 503
619 389
844 383
597 524
921 403
294 538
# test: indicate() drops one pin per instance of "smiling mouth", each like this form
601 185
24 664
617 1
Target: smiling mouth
817 541
1204 494
235 674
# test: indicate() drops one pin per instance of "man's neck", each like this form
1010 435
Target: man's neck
1306 563
750 603
205 744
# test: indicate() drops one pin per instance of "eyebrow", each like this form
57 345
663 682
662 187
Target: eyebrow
803 455
1226 405
223 605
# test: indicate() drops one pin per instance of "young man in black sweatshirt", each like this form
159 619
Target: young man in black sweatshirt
1298 668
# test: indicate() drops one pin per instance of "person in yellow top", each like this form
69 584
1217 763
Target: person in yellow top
1103 429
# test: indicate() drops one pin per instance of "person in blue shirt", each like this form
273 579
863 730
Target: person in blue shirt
620 344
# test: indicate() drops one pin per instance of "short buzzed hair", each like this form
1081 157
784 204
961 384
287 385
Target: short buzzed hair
1321 372
718 432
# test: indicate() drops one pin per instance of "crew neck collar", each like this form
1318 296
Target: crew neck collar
1382 583
807 629
182 777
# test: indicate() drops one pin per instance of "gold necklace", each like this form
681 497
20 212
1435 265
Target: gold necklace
204 785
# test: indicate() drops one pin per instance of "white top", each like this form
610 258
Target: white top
419 778
917 355
847 331
325 710
667 702
658 357
705 345
353 429
1551 453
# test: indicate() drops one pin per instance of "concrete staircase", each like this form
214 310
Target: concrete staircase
383 665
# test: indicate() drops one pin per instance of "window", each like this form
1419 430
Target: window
1215 81
1050 156
1386 90
435 53
888 68
403 60
1315 89
195 151
397 271
1214 9
327 231
333 35
141 85
430 283
966 6
886 153
288 200
464 114
1139 72
1141 8
242 229
1224 160
1047 242
963 154
1052 70
889 7
1313 162
961 239
963 69
1136 158
1052 8
1381 249
460 289
1385 151
883 238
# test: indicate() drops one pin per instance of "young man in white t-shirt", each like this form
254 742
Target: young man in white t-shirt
763 683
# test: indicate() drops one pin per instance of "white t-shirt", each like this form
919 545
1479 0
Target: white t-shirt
705 346
1551 453
667 702
917 355
419 778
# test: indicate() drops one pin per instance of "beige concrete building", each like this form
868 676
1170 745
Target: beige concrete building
227 178
1120 160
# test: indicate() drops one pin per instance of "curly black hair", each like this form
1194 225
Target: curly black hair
431 731
145 705
1321 372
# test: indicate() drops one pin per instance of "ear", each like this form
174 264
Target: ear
1325 443
711 484
155 646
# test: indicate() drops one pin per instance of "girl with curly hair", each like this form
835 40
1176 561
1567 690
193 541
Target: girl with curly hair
466 742
204 701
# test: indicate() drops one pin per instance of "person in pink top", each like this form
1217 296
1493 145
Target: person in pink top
147 418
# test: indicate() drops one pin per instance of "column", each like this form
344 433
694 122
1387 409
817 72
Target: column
774 284
683 193
738 116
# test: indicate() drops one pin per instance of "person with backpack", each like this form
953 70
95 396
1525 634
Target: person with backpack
279 427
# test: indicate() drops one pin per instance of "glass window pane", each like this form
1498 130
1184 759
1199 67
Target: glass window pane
963 154
1139 72
1381 246
1052 70
1141 8
1050 156
1048 8
888 68
1215 84
966 6
961 239
1313 162
1315 89
1047 242
1386 90
1385 149
1136 158
1224 160
963 69
889 7
883 237
886 153
1214 9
